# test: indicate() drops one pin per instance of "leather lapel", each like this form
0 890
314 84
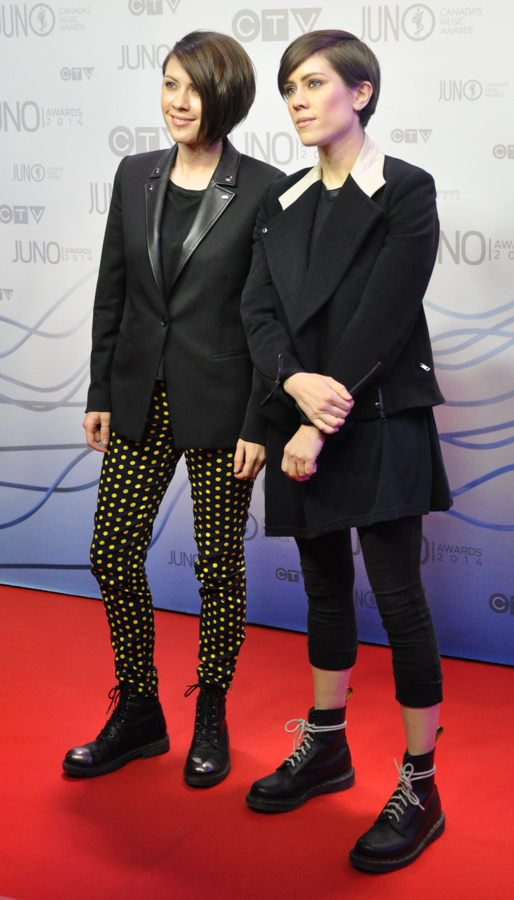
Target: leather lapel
305 290
217 197
155 194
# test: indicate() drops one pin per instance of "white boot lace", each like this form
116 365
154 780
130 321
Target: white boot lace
303 737
404 793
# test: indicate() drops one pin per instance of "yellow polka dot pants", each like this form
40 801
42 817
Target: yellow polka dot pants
134 479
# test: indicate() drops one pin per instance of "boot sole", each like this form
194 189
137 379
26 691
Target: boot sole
367 864
144 752
343 783
207 780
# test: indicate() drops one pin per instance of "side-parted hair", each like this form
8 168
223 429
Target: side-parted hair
353 61
224 77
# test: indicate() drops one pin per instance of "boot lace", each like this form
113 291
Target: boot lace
304 733
206 711
404 793
114 697
116 715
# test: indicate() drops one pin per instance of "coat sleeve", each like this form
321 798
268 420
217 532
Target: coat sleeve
271 348
109 303
393 296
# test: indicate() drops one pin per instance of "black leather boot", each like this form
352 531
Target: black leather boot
208 760
136 728
319 764
410 821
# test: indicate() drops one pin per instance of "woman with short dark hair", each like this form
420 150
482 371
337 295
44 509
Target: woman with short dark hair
336 329
171 375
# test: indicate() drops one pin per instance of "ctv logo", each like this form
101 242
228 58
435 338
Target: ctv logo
75 74
151 7
499 603
288 575
6 292
410 135
19 215
272 24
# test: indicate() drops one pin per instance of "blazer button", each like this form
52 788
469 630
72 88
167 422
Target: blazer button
164 322
264 230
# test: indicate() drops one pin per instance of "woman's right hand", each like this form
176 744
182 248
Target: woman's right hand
97 428
325 401
301 453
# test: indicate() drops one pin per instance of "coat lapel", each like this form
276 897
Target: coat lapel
305 286
217 197
286 242
349 222
155 194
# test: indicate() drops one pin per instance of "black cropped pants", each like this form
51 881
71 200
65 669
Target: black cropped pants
392 554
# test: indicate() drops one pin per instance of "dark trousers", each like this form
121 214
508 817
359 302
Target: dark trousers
392 553
134 479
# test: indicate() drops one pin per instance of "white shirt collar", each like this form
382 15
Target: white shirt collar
367 172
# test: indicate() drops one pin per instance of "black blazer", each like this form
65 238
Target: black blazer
207 363
355 312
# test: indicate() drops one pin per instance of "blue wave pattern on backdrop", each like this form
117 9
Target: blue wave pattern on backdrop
64 159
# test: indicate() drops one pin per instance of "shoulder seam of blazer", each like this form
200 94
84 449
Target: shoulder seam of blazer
367 172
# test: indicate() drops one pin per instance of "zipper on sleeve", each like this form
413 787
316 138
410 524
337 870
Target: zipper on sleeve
380 406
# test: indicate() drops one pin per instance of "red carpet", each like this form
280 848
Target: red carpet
142 834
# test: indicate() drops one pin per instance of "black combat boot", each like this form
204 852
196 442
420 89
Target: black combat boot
208 760
136 728
319 764
410 821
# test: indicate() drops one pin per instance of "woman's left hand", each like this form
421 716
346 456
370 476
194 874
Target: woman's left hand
249 459
301 453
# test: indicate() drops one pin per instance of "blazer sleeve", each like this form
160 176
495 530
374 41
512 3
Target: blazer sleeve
393 296
255 425
271 348
109 303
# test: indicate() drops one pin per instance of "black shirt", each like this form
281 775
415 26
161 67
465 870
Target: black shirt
325 200
180 209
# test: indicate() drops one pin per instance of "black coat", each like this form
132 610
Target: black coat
208 367
355 312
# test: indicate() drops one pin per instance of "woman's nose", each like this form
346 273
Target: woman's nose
180 100
299 101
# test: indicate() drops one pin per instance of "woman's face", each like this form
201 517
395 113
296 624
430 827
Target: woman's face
323 109
181 104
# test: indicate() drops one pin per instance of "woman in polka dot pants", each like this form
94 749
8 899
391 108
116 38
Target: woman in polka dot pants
172 376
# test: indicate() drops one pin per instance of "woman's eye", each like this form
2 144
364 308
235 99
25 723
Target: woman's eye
169 84
288 91
314 83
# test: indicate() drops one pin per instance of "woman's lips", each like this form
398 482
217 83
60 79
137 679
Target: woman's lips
302 123
181 122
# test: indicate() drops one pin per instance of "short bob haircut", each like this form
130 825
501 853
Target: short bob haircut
223 75
353 61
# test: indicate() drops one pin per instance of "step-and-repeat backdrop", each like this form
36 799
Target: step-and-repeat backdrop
80 89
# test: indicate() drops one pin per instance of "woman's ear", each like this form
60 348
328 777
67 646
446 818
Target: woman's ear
363 94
